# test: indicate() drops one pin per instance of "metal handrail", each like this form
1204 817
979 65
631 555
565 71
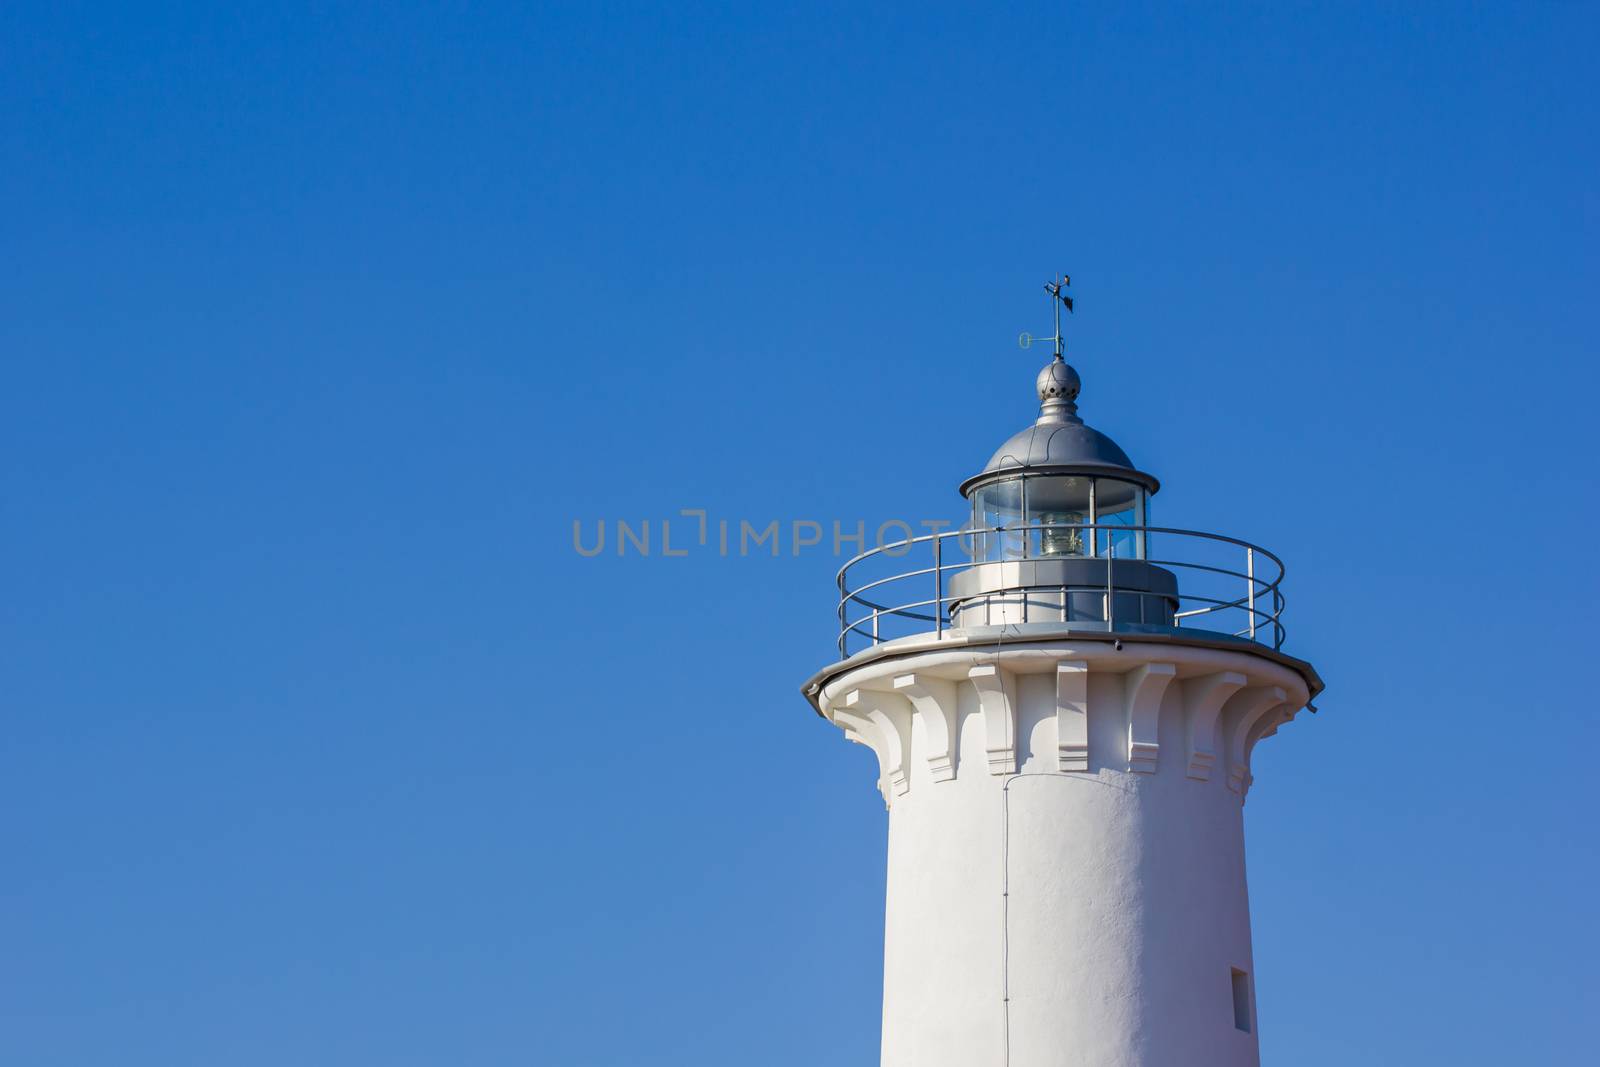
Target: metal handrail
905 611
1261 626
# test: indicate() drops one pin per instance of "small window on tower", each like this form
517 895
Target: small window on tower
1241 1000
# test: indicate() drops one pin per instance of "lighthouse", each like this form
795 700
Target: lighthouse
1064 698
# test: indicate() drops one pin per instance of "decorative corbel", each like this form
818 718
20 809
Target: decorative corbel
996 696
934 701
1205 697
1240 716
1145 688
1072 715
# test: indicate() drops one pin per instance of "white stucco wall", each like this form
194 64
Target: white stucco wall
1066 878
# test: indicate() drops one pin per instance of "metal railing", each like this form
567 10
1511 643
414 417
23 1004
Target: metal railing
1225 586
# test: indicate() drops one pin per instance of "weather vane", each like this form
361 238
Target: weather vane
1058 296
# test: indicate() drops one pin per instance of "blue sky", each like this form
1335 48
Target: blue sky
322 324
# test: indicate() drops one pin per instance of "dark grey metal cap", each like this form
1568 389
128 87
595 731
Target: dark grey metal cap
1059 442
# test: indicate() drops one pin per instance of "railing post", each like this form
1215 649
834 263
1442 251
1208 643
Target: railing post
874 627
1111 595
938 587
1022 591
1250 581
844 611
1094 520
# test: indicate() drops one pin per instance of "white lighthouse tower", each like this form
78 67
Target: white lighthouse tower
1063 699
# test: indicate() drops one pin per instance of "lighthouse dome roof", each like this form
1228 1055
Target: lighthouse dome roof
1059 442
